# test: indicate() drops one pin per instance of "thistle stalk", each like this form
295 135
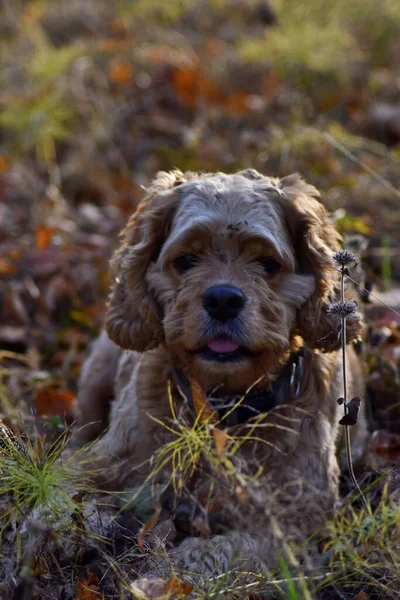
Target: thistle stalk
344 309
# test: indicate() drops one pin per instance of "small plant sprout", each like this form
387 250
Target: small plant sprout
344 309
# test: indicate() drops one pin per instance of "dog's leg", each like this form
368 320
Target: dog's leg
121 456
96 390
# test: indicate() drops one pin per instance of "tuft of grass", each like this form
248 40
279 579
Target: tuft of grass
315 41
364 549
38 123
166 12
34 479
49 64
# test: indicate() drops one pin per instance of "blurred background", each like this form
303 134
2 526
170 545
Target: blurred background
97 96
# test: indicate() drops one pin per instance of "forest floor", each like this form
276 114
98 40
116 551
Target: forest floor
95 98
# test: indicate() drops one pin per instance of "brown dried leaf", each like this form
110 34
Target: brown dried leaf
43 236
50 401
177 587
4 164
7 268
148 526
221 437
202 406
87 589
121 71
361 596
159 589
242 495
192 84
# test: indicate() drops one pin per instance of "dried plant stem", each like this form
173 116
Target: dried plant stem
347 427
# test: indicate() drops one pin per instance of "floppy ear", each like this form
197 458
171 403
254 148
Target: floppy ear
132 319
316 240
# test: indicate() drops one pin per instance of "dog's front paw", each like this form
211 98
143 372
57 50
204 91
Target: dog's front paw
217 554
204 557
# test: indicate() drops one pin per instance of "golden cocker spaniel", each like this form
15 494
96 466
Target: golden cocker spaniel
226 280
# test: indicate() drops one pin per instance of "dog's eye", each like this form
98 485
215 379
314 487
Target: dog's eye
184 262
270 266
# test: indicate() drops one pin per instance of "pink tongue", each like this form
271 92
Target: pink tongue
222 345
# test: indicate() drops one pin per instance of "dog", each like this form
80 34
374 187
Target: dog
226 280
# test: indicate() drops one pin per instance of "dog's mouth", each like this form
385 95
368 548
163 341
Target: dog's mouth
224 350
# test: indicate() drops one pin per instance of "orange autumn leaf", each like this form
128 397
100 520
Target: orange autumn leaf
114 44
221 437
189 84
15 253
44 235
6 268
87 589
159 589
50 401
40 446
202 406
121 71
148 526
4 164
174 586
192 84
40 566
242 495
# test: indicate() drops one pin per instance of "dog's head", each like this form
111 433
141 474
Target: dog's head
226 271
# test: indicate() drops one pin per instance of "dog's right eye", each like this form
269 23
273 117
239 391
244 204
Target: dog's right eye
184 262
270 266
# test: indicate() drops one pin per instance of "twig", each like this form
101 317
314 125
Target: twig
362 164
272 582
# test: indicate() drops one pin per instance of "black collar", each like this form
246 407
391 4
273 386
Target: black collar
287 384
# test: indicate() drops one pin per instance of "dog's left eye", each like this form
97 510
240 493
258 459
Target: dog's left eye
185 262
270 266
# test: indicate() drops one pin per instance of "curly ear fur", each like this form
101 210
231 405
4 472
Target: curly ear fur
316 240
132 319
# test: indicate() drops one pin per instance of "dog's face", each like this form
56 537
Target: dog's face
220 281
220 269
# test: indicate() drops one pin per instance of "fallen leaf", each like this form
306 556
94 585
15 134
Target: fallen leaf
221 437
361 596
40 566
177 587
121 71
148 526
7 268
242 495
192 84
50 401
202 406
87 589
159 589
4 164
43 236
386 444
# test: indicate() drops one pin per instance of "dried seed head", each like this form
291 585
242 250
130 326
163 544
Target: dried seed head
343 309
345 257
353 408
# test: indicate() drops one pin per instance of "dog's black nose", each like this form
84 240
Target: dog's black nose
223 302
